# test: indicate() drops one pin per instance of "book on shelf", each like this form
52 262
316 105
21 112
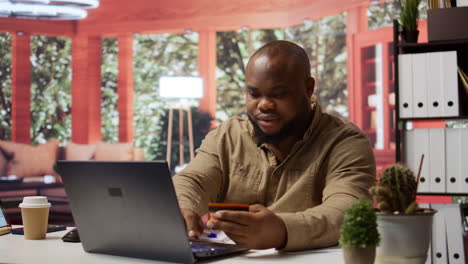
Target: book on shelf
442 3
439 3
464 79
462 3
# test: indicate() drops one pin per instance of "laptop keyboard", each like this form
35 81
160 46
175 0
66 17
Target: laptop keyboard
204 247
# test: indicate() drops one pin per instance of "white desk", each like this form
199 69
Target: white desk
15 249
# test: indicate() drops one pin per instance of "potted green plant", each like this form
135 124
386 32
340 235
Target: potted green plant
409 20
358 234
405 229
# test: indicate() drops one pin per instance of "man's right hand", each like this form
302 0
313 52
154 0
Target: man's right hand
193 223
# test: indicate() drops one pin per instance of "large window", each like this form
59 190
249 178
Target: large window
382 14
109 70
5 86
156 56
324 42
50 88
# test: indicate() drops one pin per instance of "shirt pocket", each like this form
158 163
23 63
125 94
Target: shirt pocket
244 183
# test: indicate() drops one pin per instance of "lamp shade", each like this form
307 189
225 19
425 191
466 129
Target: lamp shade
47 9
181 87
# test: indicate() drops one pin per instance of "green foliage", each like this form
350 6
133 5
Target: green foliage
156 56
50 88
382 14
409 14
231 61
359 228
324 42
396 190
5 86
109 70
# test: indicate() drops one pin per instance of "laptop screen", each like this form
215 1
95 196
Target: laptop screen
3 221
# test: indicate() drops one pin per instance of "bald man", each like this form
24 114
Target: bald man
297 167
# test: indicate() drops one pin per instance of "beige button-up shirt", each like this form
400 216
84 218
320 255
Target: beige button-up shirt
310 190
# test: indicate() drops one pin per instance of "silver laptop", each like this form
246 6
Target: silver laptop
130 209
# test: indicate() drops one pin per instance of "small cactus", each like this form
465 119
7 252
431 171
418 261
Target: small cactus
396 190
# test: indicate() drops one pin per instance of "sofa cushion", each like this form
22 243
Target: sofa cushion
26 160
139 154
75 151
114 151
3 164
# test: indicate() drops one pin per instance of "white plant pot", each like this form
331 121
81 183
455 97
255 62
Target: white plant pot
404 238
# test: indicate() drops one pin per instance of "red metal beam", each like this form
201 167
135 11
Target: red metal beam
125 88
38 27
86 89
21 88
356 22
207 70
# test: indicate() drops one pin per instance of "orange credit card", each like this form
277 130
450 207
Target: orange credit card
213 207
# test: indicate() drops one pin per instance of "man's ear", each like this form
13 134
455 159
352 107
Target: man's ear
310 86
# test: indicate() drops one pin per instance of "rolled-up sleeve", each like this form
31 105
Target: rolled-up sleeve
201 181
349 171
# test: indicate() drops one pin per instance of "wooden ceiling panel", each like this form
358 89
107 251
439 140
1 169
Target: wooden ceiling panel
38 27
122 16
114 17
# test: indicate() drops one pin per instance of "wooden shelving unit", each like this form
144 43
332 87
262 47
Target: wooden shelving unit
461 46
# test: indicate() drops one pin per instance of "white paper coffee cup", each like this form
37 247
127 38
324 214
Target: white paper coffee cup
35 215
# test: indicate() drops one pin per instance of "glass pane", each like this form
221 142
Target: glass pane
5 86
50 89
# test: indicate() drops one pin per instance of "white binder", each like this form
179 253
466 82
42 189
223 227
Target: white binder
436 160
454 227
439 238
450 81
405 85
417 144
421 147
419 85
464 158
453 160
435 87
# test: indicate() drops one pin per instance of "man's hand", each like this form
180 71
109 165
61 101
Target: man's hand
259 228
193 223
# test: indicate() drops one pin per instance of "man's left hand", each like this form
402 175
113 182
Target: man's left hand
259 228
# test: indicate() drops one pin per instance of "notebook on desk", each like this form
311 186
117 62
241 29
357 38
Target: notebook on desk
130 209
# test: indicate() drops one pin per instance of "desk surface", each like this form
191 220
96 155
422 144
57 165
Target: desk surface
15 249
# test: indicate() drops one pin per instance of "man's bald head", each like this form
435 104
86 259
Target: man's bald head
279 88
285 49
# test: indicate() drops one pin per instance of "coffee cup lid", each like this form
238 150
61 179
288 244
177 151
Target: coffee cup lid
34 202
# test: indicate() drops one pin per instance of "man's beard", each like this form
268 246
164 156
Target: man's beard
289 129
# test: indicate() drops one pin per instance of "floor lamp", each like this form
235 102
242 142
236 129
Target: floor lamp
181 92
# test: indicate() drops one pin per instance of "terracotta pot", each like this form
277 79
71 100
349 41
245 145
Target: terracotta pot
356 255
410 36
404 238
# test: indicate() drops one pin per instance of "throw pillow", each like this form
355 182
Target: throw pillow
3 164
26 160
75 151
114 151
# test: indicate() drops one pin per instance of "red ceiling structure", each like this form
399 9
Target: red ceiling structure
124 18
153 16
